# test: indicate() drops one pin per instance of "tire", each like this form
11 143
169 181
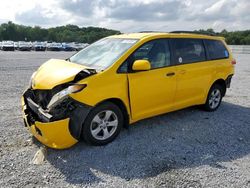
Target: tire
103 124
214 98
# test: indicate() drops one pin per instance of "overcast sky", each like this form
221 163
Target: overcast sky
130 15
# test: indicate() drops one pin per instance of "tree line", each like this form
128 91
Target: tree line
68 33
73 33
232 37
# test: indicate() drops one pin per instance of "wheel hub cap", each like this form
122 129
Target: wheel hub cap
215 98
104 125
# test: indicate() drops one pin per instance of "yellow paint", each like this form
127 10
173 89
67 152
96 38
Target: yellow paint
144 93
151 92
55 72
54 134
141 65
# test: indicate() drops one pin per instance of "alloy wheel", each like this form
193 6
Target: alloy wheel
215 98
104 125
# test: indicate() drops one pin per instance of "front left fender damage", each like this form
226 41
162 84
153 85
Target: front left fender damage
60 127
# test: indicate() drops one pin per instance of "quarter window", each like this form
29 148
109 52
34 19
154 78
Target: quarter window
216 49
188 50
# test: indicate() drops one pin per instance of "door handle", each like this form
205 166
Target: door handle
170 74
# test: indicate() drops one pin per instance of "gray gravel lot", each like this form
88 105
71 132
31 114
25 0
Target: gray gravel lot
188 148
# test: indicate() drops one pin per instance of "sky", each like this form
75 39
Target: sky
130 15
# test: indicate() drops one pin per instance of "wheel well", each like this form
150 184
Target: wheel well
121 105
222 83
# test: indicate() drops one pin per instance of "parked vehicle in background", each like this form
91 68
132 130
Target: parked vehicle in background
8 46
80 46
54 46
24 46
68 47
39 46
16 45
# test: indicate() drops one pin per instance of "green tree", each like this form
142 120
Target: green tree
74 33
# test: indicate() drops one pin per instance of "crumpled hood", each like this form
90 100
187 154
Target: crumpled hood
55 72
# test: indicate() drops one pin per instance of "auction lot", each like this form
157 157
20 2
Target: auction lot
188 148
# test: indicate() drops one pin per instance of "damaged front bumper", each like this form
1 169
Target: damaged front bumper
60 128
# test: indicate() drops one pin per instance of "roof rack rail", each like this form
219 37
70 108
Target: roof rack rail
195 32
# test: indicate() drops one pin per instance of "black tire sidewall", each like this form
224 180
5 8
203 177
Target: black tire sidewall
207 106
87 123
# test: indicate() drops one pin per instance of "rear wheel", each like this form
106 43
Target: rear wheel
103 124
214 98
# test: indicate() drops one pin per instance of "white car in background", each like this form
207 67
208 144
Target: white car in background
39 46
24 46
80 46
54 46
8 46
16 45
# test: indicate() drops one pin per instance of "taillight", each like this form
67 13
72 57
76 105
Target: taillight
233 62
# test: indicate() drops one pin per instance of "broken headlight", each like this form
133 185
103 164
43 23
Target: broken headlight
60 96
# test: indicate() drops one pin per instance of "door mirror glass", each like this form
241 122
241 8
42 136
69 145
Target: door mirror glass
141 65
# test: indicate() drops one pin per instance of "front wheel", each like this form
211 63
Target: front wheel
103 124
214 98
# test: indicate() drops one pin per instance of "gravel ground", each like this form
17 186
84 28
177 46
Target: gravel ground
188 148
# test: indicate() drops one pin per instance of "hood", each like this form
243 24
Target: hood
55 72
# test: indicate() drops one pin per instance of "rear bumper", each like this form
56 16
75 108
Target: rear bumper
24 49
39 48
54 49
55 131
228 80
7 48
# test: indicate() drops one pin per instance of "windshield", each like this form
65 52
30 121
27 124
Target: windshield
103 53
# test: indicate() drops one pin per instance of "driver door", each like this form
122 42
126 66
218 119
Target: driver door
152 92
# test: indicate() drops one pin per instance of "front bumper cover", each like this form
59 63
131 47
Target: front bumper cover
58 129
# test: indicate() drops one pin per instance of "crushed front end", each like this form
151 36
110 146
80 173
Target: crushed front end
57 127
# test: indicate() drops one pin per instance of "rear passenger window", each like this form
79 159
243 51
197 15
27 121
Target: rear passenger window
216 49
188 50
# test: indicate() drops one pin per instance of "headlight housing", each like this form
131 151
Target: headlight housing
60 96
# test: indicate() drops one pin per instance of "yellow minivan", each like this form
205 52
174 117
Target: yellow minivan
121 79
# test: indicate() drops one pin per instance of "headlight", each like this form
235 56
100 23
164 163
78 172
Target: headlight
31 79
60 96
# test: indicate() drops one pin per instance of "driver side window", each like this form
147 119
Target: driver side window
157 52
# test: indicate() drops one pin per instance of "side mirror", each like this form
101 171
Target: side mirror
141 65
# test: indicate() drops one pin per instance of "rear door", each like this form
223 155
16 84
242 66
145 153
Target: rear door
152 92
193 71
219 57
